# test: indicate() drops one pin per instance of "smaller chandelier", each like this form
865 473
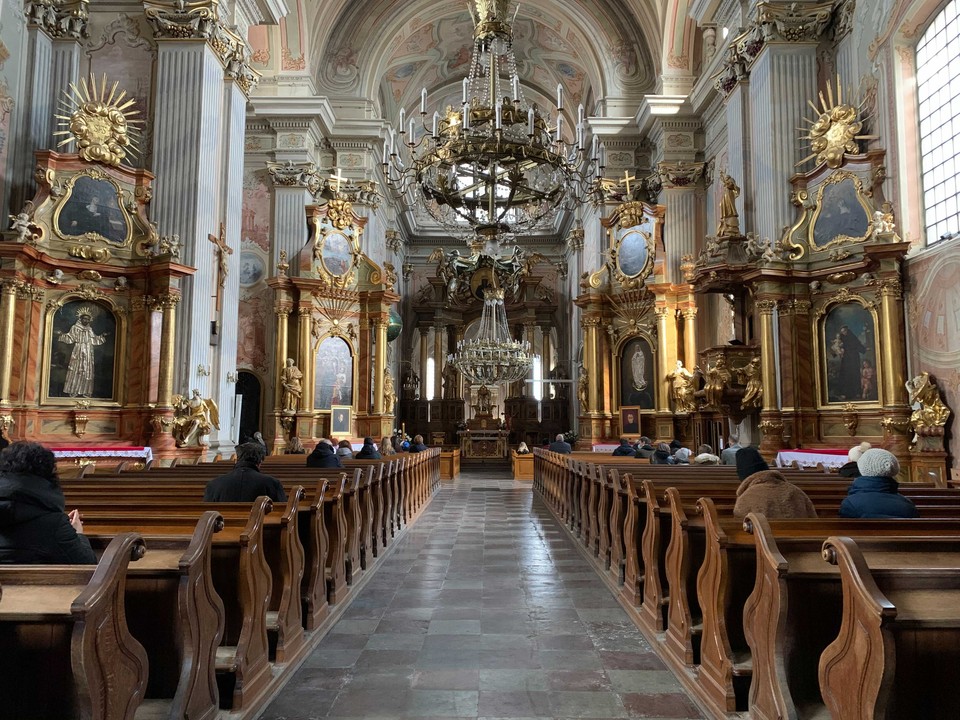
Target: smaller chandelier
496 164
492 357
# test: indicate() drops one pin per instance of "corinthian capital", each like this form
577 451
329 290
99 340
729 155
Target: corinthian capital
291 174
680 174
59 18
793 21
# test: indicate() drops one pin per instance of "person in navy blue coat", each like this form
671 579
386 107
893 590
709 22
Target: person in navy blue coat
625 449
874 494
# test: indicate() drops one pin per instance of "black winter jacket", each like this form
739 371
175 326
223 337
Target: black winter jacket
245 483
368 452
34 527
324 456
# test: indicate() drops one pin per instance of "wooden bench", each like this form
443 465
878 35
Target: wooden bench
67 651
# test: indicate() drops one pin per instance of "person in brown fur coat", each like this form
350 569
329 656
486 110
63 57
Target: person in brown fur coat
767 491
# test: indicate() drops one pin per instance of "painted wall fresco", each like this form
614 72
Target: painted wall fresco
933 315
256 299
11 55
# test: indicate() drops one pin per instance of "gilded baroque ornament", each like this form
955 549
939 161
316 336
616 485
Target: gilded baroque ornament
290 174
59 18
680 174
834 130
101 122
794 21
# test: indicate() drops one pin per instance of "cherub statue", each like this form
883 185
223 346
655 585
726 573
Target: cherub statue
718 378
751 375
194 419
21 225
389 393
682 389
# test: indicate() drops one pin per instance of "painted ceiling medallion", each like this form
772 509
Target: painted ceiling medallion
101 122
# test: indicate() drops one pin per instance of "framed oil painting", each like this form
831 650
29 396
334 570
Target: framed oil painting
636 375
841 214
83 346
337 254
629 421
91 209
341 424
334 374
848 339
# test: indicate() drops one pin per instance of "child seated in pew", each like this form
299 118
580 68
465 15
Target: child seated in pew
875 493
34 525
767 491
245 483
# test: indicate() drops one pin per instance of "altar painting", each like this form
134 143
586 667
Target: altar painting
82 352
337 254
850 354
841 215
92 208
636 375
334 373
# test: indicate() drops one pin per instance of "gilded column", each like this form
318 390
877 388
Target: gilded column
690 337
665 353
891 345
437 361
305 327
168 347
379 363
8 308
590 353
768 348
282 352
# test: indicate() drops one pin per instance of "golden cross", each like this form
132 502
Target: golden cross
338 178
627 177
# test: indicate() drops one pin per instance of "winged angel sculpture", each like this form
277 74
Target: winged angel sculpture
194 418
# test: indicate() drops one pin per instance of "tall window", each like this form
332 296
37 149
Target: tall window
431 369
938 92
537 378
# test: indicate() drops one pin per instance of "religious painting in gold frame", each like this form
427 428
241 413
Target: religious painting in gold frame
843 213
334 373
849 367
630 421
341 421
633 251
336 251
83 353
637 368
92 209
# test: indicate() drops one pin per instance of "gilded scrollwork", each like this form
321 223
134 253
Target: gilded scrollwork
930 412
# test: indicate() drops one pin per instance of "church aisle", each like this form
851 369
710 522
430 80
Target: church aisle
485 609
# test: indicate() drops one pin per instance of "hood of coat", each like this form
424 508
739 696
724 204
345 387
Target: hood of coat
24 496
764 477
873 484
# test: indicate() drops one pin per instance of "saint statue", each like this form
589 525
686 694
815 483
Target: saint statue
752 377
638 364
718 377
450 378
193 419
389 393
290 381
483 401
582 391
682 389
729 218
80 369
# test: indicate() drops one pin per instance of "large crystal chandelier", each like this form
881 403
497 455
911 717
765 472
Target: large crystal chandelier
496 164
492 356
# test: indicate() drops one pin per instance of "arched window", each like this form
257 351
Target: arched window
428 380
938 94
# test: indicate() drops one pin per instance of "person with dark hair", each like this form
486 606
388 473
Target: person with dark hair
368 451
624 449
324 456
661 455
643 448
560 445
767 491
417 445
875 493
345 450
245 483
34 524
675 445
4 443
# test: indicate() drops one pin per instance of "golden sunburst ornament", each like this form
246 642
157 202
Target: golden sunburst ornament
100 122
833 132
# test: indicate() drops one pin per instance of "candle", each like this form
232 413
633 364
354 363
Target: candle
593 151
499 118
384 161
465 86
580 114
559 96
516 88
579 136
530 122
436 120
559 128
412 138
603 155
466 117
403 115
423 102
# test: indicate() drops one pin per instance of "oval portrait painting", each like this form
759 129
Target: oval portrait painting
337 255
252 268
632 254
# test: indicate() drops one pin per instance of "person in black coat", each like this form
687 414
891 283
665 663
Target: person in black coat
851 469
4 443
245 483
34 524
625 449
644 449
560 446
661 455
368 451
324 456
417 445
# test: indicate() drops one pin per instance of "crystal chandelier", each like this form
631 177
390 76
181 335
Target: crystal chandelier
492 357
496 164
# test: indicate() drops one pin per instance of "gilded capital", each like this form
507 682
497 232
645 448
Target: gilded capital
793 21
59 18
765 307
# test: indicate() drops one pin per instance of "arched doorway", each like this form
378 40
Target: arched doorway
248 386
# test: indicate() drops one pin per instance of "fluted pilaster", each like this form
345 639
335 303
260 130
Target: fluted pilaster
38 103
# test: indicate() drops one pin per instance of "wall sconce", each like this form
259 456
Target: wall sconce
231 377
203 370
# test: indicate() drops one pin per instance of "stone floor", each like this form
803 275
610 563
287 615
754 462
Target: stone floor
484 610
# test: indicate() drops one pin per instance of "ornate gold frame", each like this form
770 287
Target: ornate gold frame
354 354
820 348
618 354
835 178
323 229
120 350
123 198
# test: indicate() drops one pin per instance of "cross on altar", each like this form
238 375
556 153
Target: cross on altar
338 179
627 177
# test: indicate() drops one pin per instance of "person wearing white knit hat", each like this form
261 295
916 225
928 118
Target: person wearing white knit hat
874 494
851 469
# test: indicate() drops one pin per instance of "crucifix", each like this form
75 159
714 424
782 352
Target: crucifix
338 179
627 178
223 251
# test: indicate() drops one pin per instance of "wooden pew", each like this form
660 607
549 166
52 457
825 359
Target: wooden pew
67 651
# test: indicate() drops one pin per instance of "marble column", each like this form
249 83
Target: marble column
684 228
305 356
739 151
281 353
891 328
591 346
768 347
38 110
293 187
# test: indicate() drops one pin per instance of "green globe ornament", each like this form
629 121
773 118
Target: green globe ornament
395 326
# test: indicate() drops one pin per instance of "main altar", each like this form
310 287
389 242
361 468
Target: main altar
485 435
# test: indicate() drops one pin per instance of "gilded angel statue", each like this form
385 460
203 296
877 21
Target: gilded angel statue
194 419
682 385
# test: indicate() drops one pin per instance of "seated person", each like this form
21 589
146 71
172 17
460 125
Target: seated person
680 457
523 449
644 449
295 447
625 449
705 456
850 469
661 455
728 456
560 445
368 451
345 450
245 483
417 445
324 456
34 524
767 491
386 446
4 443
874 494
